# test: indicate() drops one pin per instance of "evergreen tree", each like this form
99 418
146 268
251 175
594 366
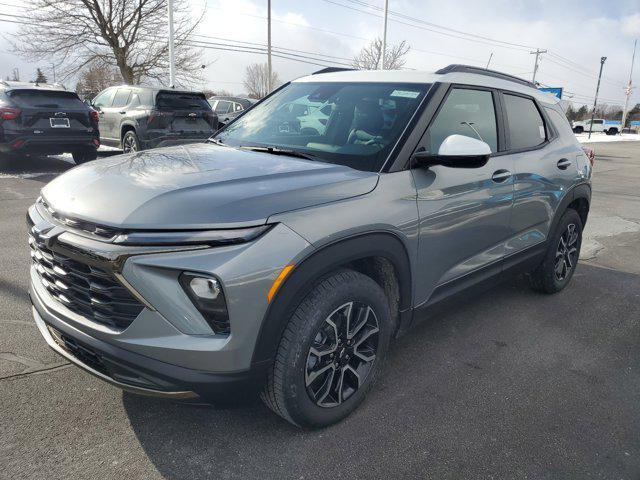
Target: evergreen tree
40 76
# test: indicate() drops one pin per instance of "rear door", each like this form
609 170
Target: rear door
114 113
544 170
188 114
51 113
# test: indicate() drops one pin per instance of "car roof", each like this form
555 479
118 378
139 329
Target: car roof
11 85
457 74
154 89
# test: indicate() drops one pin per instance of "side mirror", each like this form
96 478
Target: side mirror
456 151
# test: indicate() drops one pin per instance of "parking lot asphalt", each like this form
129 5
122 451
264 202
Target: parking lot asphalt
505 384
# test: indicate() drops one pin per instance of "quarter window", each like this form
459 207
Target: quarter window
526 127
222 107
465 112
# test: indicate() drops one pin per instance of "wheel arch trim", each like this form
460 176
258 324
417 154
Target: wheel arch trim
320 263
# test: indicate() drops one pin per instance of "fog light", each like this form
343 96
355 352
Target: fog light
207 288
207 295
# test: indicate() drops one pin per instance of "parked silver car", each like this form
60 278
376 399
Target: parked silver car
280 260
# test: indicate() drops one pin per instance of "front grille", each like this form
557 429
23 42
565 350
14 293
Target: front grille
84 289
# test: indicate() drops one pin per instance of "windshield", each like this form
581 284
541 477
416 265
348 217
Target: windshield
352 124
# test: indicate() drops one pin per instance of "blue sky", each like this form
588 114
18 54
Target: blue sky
581 31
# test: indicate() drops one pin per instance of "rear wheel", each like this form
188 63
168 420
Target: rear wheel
130 142
560 261
331 351
578 130
83 156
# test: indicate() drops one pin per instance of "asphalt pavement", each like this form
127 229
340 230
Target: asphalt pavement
505 384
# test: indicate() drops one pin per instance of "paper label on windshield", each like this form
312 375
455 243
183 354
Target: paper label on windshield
405 93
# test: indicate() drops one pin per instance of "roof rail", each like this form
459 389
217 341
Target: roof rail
483 71
332 70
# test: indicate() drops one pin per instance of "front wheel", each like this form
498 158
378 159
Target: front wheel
331 351
561 259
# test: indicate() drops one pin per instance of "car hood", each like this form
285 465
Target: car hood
199 186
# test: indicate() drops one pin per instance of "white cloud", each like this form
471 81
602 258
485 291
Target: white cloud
631 25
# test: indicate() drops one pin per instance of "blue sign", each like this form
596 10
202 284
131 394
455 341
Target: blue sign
636 123
557 91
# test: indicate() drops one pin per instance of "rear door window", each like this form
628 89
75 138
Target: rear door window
181 101
121 98
45 99
526 126
465 112
222 107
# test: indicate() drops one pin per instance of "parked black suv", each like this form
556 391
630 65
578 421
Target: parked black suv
46 120
136 118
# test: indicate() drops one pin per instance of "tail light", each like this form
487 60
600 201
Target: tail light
96 142
591 154
17 144
159 119
8 113
95 116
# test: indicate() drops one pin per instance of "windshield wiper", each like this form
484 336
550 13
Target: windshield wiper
216 141
279 151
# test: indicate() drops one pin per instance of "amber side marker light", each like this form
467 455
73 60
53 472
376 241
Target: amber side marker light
278 281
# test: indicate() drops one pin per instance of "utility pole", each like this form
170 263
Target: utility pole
629 88
595 100
172 60
537 53
490 57
384 33
269 74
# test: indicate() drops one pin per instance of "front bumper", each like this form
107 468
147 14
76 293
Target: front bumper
134 372
167 349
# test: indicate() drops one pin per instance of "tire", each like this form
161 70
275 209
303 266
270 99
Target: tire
563 249
302 386
131 142
84 156
612 131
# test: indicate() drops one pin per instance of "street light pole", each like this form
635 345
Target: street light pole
384 33
595 100
172 60
629 88
269 74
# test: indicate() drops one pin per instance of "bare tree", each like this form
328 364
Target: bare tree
256 80
128 34
96 78
370 57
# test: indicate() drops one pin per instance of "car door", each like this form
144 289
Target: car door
544 169
463 212
116 113
101 104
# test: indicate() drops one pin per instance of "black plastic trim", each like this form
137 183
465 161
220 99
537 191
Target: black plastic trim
312 269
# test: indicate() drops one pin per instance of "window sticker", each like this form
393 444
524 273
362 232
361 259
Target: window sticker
405 93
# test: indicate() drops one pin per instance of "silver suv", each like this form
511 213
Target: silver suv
283 255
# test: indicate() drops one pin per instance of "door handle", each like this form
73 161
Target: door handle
500 176
122 113
563 163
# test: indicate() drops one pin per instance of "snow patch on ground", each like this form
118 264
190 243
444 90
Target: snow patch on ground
602 137
598 227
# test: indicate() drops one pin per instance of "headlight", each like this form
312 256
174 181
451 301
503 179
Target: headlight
206 294
192 237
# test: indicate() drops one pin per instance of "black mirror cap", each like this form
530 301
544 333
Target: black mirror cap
425 159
